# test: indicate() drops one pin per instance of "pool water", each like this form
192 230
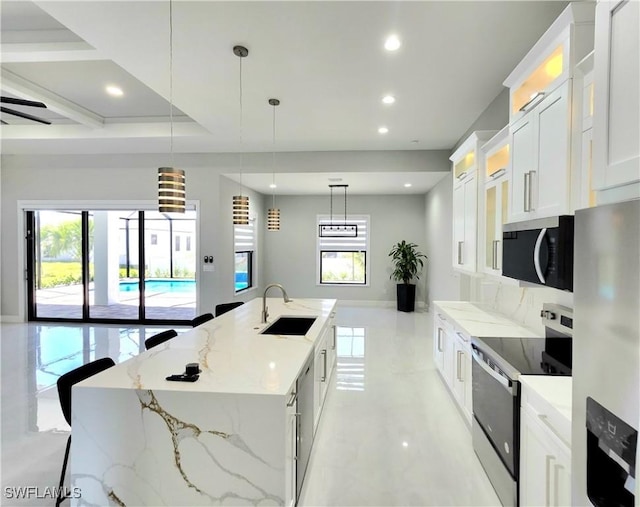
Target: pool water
182 286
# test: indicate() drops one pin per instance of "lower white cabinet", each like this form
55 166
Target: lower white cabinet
452 355
291 448
324 360
545 456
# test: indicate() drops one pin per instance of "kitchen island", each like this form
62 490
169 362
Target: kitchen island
228 438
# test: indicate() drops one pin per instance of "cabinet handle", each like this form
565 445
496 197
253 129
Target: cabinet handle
334 338
459 366
462 176
439 339
527 193
460 251
531 173
547 486
292 400
534 100
544 420
462 337
494 263
324 366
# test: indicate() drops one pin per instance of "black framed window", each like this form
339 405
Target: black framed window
243 270
343 260
244 243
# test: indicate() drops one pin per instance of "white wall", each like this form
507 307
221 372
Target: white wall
443 284
291 252
133 177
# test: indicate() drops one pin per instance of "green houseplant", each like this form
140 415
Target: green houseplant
407 262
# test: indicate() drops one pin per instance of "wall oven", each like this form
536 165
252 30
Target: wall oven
496 367
540 251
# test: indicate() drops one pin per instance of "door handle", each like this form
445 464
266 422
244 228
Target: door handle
462 176
494 264
293 399
459 366
536 255
460 251
439 339
531 208
334 337
506 383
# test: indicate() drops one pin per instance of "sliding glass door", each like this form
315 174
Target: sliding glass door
86 266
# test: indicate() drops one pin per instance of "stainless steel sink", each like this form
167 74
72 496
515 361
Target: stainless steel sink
290 325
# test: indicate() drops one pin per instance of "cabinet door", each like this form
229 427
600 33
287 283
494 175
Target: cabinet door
616 123
291 450
550 182
448 359
458 371
523 164
469 246
496 213
438 343
468 385
536 466
458 225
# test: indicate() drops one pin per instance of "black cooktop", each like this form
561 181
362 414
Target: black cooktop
531 356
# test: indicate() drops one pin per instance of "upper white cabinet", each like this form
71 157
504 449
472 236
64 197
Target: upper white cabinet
468 163
496 200
541 116
616 130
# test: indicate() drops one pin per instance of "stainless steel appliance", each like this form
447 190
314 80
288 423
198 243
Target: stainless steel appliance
606 376
496 368
304 388
540 251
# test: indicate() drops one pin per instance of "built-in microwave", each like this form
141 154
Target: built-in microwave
539 251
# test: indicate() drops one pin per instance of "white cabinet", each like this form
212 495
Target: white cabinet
496 201
452 355
616 123
467 163
323 364
291 448
540 158
545 453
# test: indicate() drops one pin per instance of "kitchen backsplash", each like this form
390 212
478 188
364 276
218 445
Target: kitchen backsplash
522 304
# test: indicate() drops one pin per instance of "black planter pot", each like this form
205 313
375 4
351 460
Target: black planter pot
406 297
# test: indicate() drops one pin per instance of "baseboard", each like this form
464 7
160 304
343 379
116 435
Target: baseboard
11 318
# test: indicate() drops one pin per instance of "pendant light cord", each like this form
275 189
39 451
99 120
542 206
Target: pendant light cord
273 160
171 81
241 154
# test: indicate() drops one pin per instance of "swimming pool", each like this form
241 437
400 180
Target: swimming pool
160 285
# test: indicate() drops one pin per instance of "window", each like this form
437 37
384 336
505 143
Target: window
343 260
244 246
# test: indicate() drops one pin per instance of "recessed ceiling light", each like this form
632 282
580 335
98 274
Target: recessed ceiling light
407 185
405 444
114 91
388 99
383 130
392 43
273 185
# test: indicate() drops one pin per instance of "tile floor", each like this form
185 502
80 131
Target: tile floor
390 434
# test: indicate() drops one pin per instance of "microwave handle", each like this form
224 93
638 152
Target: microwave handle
536 255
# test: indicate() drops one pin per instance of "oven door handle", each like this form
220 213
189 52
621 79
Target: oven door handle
505 382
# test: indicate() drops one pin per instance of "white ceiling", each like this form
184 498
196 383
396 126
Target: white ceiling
324 60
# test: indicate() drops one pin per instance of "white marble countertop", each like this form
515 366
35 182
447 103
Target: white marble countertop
233 356
555 390
480 322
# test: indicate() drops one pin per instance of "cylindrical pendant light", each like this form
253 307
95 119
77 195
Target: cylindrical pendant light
240 202
273 214
171 181
171 190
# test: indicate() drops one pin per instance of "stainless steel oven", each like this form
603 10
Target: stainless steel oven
496 368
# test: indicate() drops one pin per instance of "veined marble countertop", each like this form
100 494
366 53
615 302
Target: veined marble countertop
233 356
556 390
481 322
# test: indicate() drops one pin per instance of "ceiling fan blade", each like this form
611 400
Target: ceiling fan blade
22 102
24 115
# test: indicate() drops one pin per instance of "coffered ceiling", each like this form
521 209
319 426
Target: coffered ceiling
325 61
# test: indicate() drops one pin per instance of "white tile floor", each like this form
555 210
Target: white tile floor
389 435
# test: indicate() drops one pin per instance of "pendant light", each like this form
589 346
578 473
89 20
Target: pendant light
240 202
337 228
171 181
273 214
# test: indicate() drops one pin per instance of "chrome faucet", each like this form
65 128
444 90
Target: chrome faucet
265 310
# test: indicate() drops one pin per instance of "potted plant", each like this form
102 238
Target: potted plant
407 261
